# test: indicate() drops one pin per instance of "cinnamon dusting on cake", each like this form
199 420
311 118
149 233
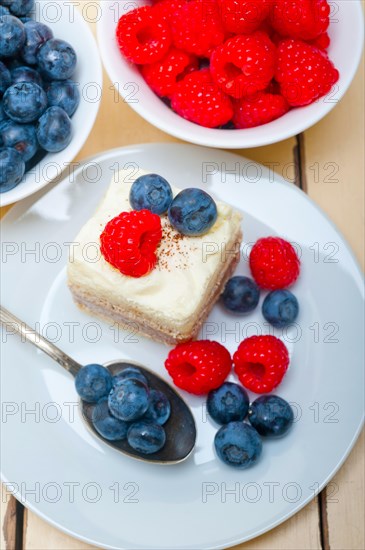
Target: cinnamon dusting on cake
174 249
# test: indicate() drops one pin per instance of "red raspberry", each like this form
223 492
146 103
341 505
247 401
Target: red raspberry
197 28
198 99
303 19
261 362
143 36
162 76
274 263
244 64
304 72
259 109
167 8
198 367
322 41
129 242
243 16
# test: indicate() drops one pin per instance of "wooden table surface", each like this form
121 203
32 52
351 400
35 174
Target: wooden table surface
327 162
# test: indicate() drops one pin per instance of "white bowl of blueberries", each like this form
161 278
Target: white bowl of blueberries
49 93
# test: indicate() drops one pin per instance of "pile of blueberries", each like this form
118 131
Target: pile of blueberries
241 295
125 406
37 96
238 443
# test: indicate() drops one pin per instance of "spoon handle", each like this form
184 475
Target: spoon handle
29 334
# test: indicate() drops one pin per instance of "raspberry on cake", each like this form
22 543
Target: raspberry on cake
165 285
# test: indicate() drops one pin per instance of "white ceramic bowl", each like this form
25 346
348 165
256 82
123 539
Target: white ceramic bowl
346 32
66 23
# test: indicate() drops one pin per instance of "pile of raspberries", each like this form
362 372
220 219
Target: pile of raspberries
231 63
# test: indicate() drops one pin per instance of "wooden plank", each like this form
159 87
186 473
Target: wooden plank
8 510
334 178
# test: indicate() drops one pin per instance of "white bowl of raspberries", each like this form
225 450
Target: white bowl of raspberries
231 73
49 92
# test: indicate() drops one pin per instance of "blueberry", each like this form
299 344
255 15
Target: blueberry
21 137
12 169
193 212
5 78
152 192
3 116
25 74
36 34
271 415
129 399
54 130
159 408
93 382
56 59
241 294
280 308
238 444
4 11
24 102
12 35
21 7
228 403
146 437
64 94
130 372
105 424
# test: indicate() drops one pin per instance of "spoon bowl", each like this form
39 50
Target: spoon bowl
180 427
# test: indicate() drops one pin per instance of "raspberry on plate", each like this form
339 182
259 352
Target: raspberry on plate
198 99
274 263
197 28
199 367
163 76
259 109
305 73
244 64
243 16
129 242
261 362
143 36
303 19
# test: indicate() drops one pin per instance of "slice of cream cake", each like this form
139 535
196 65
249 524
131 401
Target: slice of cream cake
171 302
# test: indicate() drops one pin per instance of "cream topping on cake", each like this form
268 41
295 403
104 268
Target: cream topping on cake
184 268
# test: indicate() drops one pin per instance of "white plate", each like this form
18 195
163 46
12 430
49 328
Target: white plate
67 23
187 506
347 36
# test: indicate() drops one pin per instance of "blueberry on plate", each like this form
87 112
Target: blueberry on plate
64 94
241 294
4 11
12 35
21 137
56 59
25 74
36 34
193 212
146 437
228 403
151 192
271 415
93 382
12 169
238 444
5 78
105 424
130 372
280 308
21 7
129 399
159 408
24 102
54 131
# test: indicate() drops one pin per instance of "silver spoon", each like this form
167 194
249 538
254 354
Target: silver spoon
180 428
